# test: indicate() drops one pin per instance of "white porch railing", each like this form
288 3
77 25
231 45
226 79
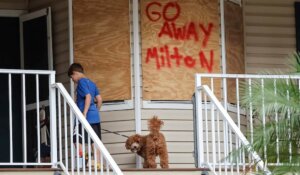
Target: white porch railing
26 83
218 122
69 115
38 88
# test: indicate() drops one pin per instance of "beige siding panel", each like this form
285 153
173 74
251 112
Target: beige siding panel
171 125
110 116
118 148
252 40
180 147
108 137
266 30
269 10
13 4
168 114
270 2
179 136
265 50
269 35
270 21
118 126
39 4
124 158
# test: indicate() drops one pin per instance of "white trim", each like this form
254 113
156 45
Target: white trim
137 72
49 39
223 47
12 13
168 104
35 14
238 2
71 42
116 106
26 17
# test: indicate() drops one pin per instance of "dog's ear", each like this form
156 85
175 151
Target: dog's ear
127 144
161 122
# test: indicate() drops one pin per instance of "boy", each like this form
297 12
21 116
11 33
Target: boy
86 94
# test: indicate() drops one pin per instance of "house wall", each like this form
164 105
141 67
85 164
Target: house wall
14 4
60 35
269 34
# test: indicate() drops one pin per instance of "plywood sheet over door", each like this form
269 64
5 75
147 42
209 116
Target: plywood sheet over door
102 45
179 38
234 39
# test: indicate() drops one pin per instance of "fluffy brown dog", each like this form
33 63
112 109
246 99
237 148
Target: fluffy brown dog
151 145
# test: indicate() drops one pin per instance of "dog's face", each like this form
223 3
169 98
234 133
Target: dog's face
133 143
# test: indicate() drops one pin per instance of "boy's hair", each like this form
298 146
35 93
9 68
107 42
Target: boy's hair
75 67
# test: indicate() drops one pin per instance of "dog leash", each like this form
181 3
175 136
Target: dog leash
114 133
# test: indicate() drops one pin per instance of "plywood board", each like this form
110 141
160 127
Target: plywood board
234 39
102 45
179 39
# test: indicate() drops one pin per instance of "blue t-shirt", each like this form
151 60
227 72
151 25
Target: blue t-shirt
84 87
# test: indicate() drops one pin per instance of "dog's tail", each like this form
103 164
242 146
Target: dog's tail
155 124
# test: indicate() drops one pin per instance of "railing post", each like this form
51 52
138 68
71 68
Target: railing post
199 138
53 127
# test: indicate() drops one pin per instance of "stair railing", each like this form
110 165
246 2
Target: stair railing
95 157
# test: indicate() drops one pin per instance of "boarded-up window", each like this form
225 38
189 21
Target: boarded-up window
102 45
179 38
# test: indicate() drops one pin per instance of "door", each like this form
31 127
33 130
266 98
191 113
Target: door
36 54
10 59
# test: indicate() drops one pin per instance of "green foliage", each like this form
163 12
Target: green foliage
279 102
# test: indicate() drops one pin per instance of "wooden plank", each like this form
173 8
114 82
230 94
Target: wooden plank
234 40
163 80
102 45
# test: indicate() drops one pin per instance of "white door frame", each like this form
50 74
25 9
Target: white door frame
32 15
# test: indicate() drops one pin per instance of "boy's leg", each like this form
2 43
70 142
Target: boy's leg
97 128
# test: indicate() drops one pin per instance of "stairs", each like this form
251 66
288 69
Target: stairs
29 171
49 171
170 171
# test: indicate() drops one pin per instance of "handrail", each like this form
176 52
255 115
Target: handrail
86 125
231 123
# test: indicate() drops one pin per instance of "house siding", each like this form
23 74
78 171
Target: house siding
14 4
269 34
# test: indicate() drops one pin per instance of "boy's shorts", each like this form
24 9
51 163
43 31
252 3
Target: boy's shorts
96 127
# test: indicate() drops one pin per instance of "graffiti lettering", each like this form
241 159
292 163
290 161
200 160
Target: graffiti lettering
163 58
156 15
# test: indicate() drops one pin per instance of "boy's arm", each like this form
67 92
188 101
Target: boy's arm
87 103
99 101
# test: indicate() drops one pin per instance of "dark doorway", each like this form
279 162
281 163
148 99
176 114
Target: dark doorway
35 57
10 59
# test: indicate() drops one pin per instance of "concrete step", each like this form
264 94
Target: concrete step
29 171
170 171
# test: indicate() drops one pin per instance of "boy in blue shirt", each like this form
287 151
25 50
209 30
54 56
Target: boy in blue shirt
86 95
